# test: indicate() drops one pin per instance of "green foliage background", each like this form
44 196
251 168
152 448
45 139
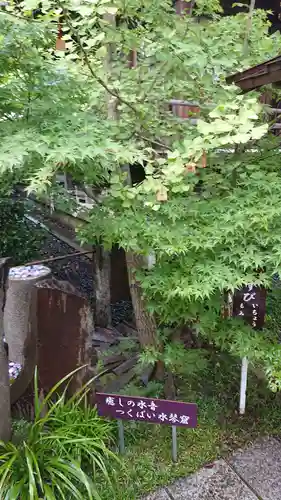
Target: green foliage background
220 226
18 239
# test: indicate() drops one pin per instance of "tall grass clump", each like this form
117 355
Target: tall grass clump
61 450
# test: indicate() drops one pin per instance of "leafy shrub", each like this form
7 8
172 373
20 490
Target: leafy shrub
60 452
76 421
273 307
20 428
18 240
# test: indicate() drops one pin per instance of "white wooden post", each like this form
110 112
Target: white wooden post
243 386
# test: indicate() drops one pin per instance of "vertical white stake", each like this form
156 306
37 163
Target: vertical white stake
243 386
151 260
52 205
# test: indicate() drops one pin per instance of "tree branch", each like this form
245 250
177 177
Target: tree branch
8 117
19 17
249 27
110 91
28 105
152 141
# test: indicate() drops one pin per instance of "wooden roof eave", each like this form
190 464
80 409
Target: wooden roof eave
258 76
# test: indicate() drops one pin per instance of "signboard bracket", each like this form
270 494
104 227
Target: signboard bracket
174 444
121 437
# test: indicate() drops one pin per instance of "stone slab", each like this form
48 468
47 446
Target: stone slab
260 466
218 482
158 495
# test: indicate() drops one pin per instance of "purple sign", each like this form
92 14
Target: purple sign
156 411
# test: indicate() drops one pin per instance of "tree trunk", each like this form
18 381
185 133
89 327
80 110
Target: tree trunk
145 322
5 406
102 299
169 386
249 27
101 257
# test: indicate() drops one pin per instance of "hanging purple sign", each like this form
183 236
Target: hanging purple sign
156 411
249 303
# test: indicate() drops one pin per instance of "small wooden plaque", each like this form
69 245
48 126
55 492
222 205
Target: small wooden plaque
190 167
60 44
204 160
162 194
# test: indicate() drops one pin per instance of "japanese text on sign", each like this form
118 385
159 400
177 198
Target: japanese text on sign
249 304
157 411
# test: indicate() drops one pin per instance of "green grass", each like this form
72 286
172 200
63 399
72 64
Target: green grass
147 463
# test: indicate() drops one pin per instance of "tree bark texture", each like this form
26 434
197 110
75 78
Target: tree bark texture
101 257
102 299
145 322
5 405
249 26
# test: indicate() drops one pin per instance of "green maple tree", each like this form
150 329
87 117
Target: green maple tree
218 224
